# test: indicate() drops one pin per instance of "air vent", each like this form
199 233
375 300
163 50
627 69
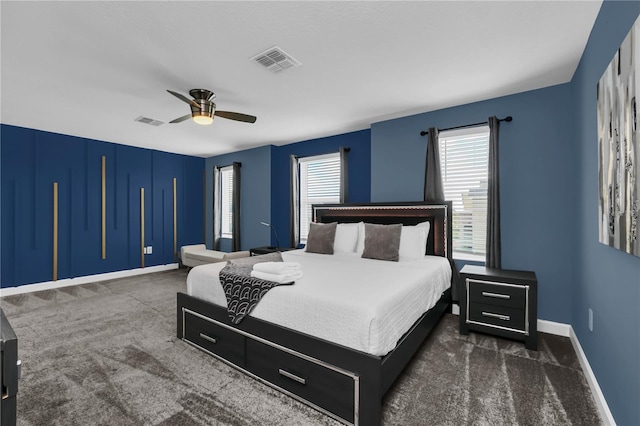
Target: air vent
147 120
276 60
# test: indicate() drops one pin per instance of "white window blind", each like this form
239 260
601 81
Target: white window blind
226 201
464 159
319 184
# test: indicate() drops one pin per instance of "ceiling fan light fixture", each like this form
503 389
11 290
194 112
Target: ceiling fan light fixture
204 120
203 114
203 109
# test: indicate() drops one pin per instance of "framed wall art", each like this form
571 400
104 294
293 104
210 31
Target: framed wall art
619 147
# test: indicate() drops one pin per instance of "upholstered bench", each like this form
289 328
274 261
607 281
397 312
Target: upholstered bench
197 254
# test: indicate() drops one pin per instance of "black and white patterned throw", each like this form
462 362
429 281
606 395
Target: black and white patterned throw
243 292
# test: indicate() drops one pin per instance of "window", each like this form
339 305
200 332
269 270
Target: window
319 184
226 201
464 159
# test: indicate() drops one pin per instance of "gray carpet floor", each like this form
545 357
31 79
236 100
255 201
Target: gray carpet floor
107 354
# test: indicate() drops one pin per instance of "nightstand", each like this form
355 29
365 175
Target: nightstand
499 302
267 249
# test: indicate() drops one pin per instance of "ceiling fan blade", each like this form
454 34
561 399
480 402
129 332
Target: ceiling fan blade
236 116
184 98
180 119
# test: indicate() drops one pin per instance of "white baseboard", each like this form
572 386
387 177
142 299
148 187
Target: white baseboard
49 285
455 309
552 327
601 403
566 330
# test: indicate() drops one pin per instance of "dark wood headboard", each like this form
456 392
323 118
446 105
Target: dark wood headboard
408 213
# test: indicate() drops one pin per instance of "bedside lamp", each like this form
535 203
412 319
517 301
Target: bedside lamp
274 231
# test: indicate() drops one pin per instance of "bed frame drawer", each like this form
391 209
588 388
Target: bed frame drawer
501 316
499 294
214 338
314 381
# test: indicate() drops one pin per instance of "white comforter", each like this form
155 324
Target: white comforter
363 304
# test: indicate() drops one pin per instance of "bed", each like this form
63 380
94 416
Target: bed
342 371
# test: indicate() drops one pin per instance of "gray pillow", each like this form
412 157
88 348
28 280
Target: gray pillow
382 242
321 237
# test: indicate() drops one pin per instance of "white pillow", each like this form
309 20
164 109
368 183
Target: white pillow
413 241
426 226
360 244
346 238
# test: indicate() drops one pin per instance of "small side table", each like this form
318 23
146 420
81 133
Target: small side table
10 365
266 250
500 302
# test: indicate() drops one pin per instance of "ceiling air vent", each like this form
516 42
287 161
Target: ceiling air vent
147 120
276 60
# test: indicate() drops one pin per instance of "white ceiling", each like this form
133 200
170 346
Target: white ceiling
90 68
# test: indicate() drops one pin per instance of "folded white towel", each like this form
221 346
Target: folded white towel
278 278
278 268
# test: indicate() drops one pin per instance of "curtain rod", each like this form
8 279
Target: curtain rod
507 119
229 165
347 149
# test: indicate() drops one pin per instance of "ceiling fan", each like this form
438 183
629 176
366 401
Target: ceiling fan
203 109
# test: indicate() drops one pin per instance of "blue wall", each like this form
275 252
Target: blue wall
606 280
537 178
255 196
32 160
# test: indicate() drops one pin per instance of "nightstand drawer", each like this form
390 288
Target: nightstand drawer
501 316
498 294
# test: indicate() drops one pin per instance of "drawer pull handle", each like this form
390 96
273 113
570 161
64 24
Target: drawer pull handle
498 316
496 295
211 339
292 376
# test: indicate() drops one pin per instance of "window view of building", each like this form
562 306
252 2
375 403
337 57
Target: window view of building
226 201
464 158
319 184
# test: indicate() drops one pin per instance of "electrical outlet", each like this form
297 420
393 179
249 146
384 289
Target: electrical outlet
144 250
149 250
590 319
